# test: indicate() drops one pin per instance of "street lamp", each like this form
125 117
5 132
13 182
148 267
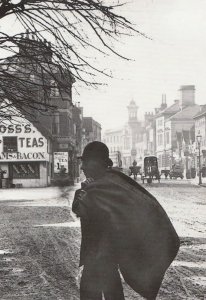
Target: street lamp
199 138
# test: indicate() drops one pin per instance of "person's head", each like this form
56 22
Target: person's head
95 159
134 163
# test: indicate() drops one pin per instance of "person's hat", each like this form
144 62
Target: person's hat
96 150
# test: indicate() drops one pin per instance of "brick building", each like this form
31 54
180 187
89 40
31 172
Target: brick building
91 131
62 126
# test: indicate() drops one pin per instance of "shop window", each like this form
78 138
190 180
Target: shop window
10 144
25 170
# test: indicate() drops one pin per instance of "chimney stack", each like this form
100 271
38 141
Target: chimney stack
187 95
164 102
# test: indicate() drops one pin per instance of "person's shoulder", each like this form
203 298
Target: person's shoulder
118 176
126 182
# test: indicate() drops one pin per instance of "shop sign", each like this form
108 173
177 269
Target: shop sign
60 162
22 142
18 156
15 128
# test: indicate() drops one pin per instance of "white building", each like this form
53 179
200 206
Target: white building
25 153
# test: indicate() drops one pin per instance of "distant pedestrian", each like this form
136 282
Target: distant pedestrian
124 229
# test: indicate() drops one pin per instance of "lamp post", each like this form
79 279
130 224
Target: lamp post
199 138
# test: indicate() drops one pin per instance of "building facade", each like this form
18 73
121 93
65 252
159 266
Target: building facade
62 126
179 129
200 129
163 135
25 154
173 130
91 131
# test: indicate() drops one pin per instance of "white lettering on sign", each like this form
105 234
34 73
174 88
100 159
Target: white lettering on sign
60 162
22 156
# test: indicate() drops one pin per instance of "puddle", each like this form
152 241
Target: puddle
66 224
4 252
189 264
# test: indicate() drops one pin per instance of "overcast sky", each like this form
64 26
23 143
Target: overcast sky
175 56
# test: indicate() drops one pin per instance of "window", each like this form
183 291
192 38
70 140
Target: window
159 122
24 170
167 137
64 124
159 139
10 144
54 89
55 124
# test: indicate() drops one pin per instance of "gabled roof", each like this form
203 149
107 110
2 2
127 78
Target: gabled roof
186 113
171 110
18 115
202 111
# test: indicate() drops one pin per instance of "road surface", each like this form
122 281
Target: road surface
40 239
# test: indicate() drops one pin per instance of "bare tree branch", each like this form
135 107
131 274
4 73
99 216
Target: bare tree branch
32 67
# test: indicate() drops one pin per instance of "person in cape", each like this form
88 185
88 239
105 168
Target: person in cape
124 230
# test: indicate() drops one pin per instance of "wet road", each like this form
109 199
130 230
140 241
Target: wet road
40 239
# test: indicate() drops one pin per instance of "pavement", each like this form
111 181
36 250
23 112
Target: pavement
58 196
53 196
40 241
196 181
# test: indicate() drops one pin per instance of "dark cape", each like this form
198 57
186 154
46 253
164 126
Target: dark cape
135 228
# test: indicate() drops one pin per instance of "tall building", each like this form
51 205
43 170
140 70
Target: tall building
62 126
134 127
91 131
176 118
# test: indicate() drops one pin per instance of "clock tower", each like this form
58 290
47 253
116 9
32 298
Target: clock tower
134 126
